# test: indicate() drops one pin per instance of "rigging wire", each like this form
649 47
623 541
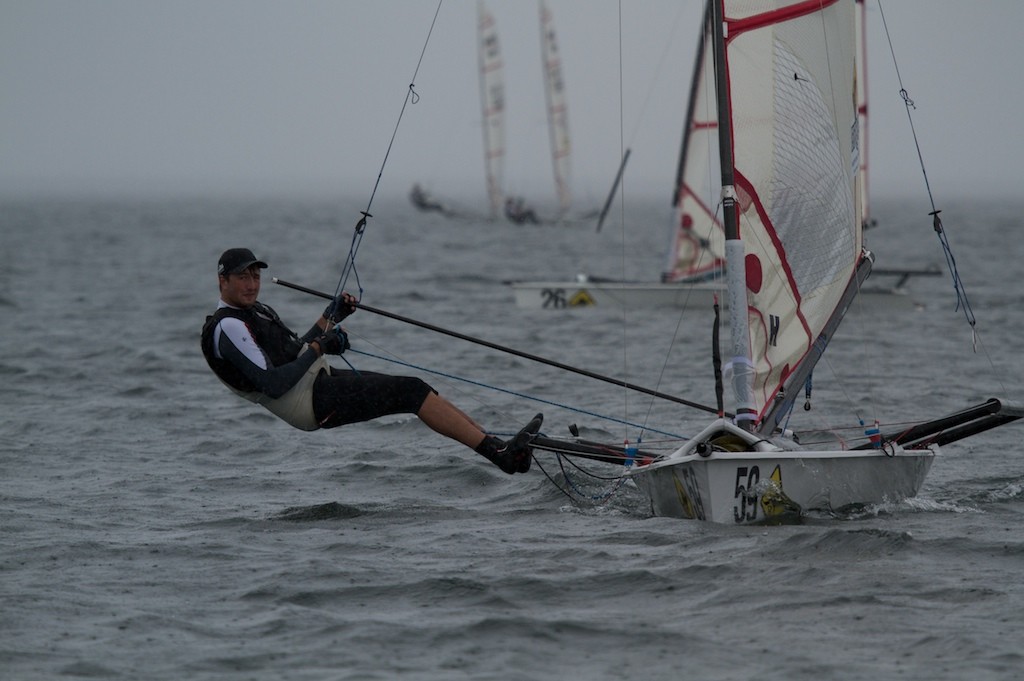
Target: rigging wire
624 146
572 490
705 238
514 393
622 232
958 286
411 96
624 149
656 73
961 293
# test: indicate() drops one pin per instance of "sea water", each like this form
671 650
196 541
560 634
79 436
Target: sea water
157 527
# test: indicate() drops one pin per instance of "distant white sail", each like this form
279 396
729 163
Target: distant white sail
492 102
558 116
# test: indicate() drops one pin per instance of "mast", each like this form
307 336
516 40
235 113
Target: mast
736 282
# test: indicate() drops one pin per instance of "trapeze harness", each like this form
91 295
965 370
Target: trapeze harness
266 364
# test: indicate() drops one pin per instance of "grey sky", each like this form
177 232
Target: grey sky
265 97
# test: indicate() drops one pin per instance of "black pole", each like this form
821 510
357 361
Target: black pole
611 194
695 83
716 362
955 426
502 348
595 451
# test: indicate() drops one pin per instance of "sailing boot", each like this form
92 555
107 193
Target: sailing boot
515 455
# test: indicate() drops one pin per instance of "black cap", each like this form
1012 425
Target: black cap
237 260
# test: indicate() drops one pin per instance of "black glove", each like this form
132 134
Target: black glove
334 342
338 309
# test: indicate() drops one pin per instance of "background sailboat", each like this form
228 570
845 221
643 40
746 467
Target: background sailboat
557 108
556 105
501 202
697 249
694 269
492 105
490 73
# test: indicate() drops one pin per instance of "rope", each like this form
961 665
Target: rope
571 490
622 236
624 145
514 393
357 236
958 286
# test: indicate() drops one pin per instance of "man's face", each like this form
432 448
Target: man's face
241 290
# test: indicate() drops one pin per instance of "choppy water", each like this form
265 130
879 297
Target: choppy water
156 527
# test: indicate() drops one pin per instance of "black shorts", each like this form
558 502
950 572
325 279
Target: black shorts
349 397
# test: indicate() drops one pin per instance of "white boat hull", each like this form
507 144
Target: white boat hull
774 484
558 295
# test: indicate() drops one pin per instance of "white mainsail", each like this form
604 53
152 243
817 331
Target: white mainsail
793 114
558 116
492 102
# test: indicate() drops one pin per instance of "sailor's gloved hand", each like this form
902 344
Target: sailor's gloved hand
334 342
340 307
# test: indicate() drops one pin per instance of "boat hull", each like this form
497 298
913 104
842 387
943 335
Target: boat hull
758 488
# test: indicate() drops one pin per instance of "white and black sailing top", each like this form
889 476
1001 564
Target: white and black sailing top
252 350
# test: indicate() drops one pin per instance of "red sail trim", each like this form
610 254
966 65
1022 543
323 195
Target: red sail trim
694 126
703 206
766 392
777 16
714 263
742 183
